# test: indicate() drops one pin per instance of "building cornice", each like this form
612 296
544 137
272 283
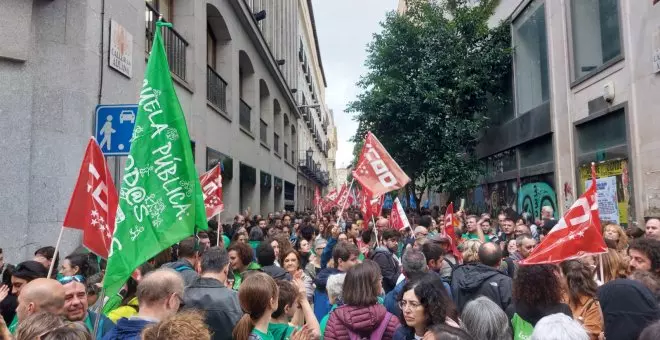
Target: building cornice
316 41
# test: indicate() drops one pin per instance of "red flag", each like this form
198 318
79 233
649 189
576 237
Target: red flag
398 218
376 169
450 222
329 200
369 206
344 198
94 202
577 233
317 196
211 183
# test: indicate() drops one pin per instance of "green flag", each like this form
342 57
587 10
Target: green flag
160 201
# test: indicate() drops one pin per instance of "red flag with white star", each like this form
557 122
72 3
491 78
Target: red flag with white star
93 202
577 233
377 170
211 183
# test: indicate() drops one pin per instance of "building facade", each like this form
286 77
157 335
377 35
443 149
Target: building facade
584 87
237 71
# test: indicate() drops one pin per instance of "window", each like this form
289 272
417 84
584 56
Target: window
164 7
535 152
501 162
602 133
531 58
211 44
596 36
175 44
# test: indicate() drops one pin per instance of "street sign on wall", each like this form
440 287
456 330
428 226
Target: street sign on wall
114 128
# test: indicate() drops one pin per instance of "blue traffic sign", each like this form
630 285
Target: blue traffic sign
114 128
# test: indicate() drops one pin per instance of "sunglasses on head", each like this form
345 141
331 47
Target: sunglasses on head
66 279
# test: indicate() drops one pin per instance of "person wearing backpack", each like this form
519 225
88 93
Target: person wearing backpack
425 303
187 262
361 316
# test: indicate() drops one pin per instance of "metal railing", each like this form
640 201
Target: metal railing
263 132
175 44
276 142
245 113
216 89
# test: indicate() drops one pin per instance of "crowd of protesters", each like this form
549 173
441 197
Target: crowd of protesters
301 276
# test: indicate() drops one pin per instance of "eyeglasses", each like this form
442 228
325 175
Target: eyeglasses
66 279
403 304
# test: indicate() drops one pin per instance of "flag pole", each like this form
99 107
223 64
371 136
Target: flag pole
373 219
99 312
217 231
343 205
602 274
57 249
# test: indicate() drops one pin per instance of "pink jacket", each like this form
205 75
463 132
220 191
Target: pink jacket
360 320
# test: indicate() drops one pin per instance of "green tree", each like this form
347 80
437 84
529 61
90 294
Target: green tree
434 74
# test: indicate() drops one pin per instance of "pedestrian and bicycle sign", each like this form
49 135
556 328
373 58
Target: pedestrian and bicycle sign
114 128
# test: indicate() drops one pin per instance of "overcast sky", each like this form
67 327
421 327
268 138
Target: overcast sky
344 28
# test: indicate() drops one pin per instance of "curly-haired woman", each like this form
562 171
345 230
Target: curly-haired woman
424 303
581 292
537 292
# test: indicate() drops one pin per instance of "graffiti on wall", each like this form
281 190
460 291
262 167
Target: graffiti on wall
529 194
532 197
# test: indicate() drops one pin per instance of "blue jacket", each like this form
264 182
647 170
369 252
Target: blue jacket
321 301
105 324
127 329
327 252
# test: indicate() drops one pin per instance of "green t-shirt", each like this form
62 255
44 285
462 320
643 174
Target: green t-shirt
280 331
13 325
522 330
238 277
259 335
324 321
469 236
254 244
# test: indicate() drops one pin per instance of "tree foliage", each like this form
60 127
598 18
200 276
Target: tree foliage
433 74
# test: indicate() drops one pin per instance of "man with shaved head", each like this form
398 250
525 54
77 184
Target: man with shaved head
160 294
40 295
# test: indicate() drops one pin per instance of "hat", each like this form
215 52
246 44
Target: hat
30 270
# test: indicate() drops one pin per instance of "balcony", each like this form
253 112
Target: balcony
216 89
312 170
263 132
276 142
175 44
245 114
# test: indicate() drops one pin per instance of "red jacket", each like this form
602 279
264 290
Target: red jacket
360 320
